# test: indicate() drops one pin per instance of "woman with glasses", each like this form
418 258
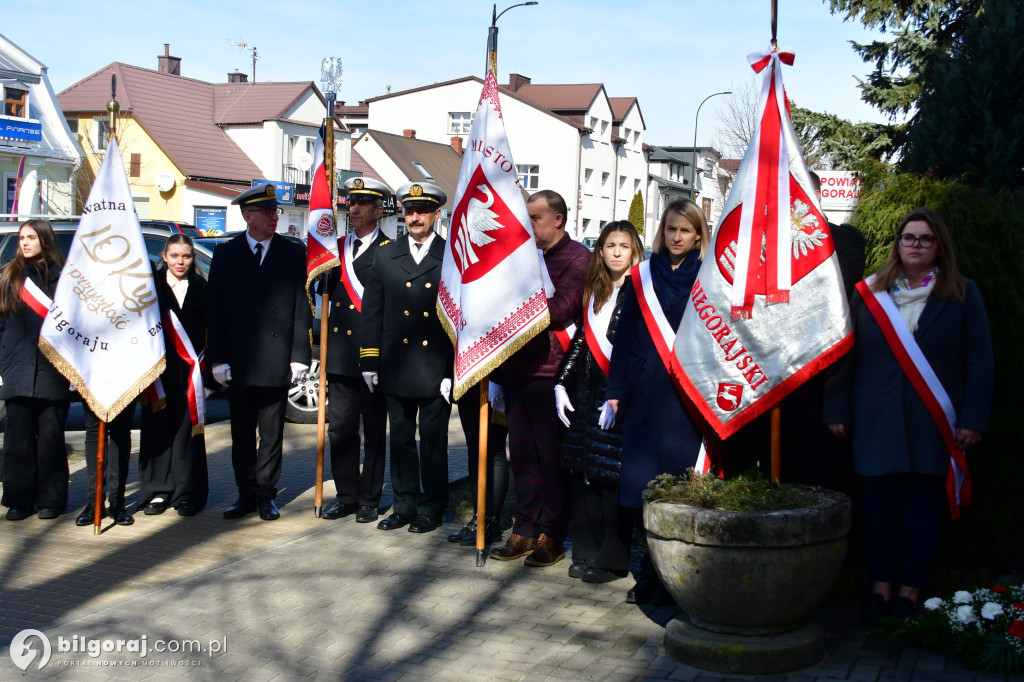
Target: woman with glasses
913 394
172 455
36 463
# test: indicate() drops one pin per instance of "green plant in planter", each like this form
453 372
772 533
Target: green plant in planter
735 494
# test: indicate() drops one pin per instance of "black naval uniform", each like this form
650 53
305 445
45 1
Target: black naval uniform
402 339
348 397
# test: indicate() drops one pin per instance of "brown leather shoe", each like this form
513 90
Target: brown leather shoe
516 547
548 552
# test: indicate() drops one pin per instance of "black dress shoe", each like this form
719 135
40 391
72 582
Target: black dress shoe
467 531
424 524
49 513
187 509
268 510
578 566
366 514
154 508
492 533
122 517
87 516
244 505
596 574
394 521
18 514
338 509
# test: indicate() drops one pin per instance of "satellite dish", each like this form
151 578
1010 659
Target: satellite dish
164 181
304 160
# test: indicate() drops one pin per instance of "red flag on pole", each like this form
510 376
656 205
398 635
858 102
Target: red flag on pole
321 235
491 299
767 311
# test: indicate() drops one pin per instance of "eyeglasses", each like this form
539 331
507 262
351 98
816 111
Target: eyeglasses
925 240
267 210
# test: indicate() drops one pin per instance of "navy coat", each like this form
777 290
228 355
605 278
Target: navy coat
891 429
25 371
658 435
401 336
258 317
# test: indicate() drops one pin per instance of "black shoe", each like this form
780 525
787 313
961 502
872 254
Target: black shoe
154 507
424 524
578 566
596 574
492 533
87 516
903 608
394 521
873 608
338 509
646 583
18 514
49 513
366 514
466 532
187 509
122 517
244 505
268 510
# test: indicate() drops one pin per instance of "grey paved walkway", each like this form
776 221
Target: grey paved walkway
307 598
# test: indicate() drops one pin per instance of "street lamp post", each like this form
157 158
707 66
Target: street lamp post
693 171
492 35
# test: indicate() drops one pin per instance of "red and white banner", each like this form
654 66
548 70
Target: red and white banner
491 299
321 235
767 310
103 331
597 339
927 385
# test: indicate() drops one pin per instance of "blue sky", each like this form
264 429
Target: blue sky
669 54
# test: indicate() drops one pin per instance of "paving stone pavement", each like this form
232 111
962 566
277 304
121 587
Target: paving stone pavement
304 598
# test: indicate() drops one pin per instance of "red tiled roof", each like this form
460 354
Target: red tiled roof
562 99
731 165
181 115
440 160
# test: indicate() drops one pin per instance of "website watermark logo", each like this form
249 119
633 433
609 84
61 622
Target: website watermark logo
24 651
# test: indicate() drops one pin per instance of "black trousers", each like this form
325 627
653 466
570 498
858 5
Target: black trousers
602 530
115 457
257 470
903 517
497 459
172 462
36 469
430 465
348 401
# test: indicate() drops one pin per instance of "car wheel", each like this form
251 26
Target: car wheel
304 397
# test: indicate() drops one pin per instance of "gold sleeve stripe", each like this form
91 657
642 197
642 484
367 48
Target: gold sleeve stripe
369 352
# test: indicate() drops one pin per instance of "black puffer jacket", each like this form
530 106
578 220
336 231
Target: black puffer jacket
586 447
26 373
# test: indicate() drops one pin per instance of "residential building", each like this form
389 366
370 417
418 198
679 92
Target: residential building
190 146
673 176
38 152
573 139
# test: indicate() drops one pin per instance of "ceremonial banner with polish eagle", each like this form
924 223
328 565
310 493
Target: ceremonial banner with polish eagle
321 235
491 299
103 329
768 310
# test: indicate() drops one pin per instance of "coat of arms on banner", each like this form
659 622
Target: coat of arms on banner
485 229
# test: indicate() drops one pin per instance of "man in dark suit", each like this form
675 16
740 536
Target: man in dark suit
348 397
258 326
406 354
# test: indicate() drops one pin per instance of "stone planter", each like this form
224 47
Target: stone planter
748 581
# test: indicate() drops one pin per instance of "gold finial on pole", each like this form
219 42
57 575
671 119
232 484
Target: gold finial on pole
113 107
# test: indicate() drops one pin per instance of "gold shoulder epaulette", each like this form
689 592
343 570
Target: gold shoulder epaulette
386 241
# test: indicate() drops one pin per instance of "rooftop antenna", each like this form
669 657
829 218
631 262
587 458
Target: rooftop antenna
243 45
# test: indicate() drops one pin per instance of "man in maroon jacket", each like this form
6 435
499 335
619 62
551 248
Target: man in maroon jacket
535 437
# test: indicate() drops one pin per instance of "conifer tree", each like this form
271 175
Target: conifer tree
636 212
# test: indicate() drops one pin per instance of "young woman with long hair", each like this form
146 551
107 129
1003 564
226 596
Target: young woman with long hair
592 442
36 394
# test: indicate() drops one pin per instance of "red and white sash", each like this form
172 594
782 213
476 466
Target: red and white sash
597 340
564 333
348 274
662 333
924 380
196 395
35 298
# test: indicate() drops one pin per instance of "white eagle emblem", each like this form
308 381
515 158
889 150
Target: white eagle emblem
806 234
478 220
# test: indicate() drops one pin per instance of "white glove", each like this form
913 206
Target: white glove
607 418
299 371
371 380
222 373
496 396
562 404
1 381
446 390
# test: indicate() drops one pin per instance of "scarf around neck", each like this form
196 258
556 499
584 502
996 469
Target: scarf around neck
671 285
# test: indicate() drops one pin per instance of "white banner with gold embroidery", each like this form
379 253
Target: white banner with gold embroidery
491 299
103 329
